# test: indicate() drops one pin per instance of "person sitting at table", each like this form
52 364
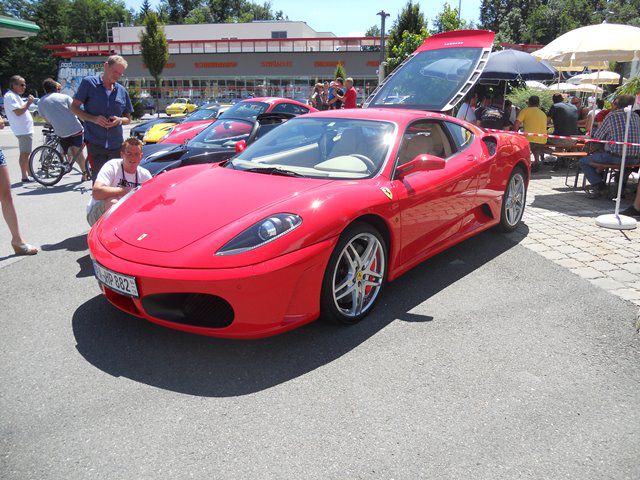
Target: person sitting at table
492 115
582 111
612 128
564 118
534 120
592 124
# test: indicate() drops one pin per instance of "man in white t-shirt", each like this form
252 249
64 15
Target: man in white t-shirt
116 178
17 111
467 109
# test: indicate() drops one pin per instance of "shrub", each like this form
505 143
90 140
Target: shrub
520 96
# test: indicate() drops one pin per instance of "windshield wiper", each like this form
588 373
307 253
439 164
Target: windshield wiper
274 171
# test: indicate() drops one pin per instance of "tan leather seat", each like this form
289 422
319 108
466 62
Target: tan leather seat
418 144
346 142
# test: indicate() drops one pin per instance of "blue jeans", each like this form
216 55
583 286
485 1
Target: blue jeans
599 157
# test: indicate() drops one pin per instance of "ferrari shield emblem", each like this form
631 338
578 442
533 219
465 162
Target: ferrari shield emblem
387 192
141 237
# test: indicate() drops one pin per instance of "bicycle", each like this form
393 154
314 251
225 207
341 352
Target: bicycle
48 163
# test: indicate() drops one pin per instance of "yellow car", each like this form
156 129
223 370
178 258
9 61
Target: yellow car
181 105
160 130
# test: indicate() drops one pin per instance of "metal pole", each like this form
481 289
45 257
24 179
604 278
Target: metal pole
383 17
459 10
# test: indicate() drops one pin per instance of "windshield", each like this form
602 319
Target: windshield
321 148
222 134
246 110
429 80
202 114
180 100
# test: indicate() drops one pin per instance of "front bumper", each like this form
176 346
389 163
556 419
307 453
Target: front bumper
267 298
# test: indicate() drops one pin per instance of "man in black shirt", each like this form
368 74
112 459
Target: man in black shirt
492 116
565 121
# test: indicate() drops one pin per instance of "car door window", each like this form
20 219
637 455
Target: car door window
290 108
424 137
462 137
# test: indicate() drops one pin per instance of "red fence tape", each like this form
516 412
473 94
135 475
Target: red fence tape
583 139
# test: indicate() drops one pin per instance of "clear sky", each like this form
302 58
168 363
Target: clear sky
352 17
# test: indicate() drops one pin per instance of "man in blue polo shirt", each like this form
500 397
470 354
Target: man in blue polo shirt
107 107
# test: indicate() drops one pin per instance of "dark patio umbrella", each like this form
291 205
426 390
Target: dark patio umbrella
516 65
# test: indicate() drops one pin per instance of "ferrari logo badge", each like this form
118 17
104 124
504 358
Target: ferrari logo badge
141 237
387 192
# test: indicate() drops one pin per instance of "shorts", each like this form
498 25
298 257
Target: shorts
96 211
25 143
72 141
537 147
3 161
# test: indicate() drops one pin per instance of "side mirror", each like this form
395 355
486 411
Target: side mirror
421 163
240 146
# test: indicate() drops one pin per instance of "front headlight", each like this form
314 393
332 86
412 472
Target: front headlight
261 233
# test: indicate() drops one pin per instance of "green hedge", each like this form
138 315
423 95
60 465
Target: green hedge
520 96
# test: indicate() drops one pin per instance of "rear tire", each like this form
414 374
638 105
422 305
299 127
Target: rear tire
514 199
47 165
355 275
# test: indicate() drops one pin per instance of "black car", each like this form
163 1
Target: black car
204 113
216 143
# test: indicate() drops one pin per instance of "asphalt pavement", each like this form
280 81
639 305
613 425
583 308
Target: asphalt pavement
488 361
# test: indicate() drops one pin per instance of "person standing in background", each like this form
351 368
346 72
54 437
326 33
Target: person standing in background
17 111
350 94
534 120
107 107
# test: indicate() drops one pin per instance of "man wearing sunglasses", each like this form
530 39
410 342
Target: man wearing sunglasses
21 121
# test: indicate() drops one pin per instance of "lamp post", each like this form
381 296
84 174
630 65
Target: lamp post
383 17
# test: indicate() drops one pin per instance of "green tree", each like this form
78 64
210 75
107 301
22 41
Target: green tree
372 31
410 21
60 21
154 49
201 14
408 44
340 72
447 20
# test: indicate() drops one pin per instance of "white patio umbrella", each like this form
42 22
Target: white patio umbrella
596 78
536 85
587 88
563 87
606 42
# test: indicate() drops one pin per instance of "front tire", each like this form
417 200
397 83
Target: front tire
513 201
47 165
355 275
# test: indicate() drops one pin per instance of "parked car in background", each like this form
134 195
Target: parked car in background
180 105
216 143
193 124
159 130
252 107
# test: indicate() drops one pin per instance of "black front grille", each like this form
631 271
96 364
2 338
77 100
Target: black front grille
196 309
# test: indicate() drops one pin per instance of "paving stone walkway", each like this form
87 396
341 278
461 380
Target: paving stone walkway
559 224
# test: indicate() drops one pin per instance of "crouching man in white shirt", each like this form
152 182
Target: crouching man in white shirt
117 178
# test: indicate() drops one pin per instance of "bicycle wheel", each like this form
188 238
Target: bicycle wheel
47 165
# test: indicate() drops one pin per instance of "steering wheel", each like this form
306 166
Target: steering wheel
371 167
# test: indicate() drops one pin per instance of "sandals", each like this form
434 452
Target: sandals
24 249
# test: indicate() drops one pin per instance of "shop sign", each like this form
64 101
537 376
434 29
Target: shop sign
216 64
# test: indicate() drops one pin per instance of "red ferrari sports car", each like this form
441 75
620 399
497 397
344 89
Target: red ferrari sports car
316 216
246 109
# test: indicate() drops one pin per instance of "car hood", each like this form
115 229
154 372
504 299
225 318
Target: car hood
186 131
182 206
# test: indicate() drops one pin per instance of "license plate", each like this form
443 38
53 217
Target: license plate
116 281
